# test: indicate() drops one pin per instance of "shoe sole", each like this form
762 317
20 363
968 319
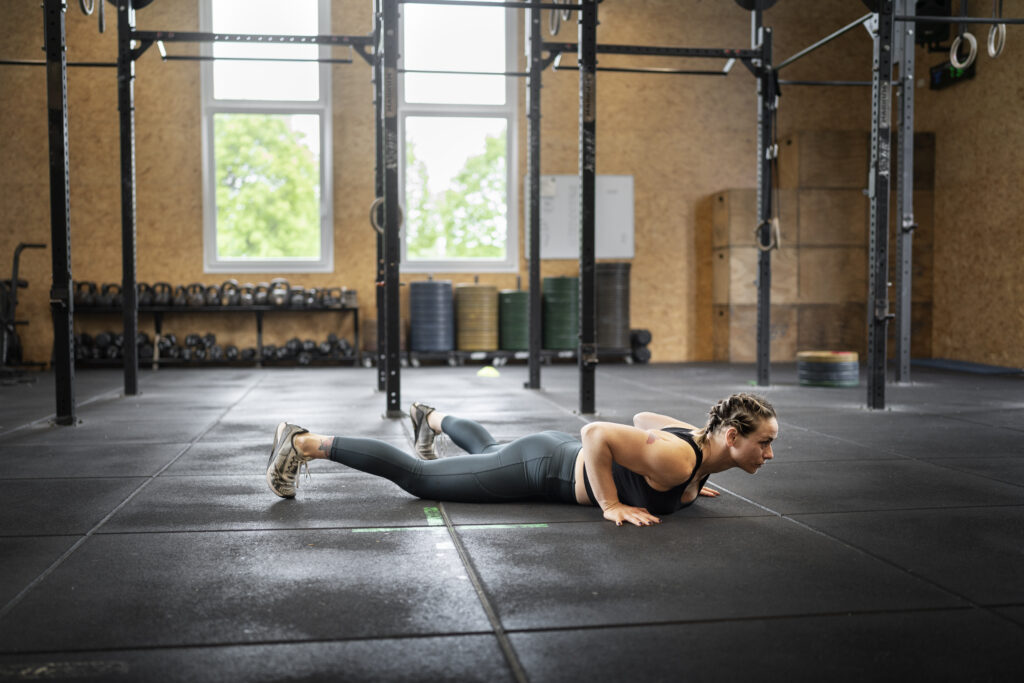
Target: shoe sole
278 433
430 454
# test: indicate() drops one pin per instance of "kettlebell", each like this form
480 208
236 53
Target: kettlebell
230 294
196 294
247 294
85 293
162 294
297 297
180 296
145 294
261 294
279 291
212 295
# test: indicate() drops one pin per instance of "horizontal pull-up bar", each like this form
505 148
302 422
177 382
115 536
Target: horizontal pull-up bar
684 72
783 82
655 51
827 39
43 62
200 37
465 73
484 3
209 58
957 20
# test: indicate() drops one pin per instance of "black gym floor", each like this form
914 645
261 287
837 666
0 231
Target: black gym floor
143 544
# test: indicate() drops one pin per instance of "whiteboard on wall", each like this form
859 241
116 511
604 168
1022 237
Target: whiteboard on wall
560 217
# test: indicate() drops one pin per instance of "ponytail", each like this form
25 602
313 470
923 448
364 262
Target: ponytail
745 412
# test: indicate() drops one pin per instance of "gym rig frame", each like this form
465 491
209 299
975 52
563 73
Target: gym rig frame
380 50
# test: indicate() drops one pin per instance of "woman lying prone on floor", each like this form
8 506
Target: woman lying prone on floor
633 473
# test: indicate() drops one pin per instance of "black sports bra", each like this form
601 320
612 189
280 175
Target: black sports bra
634 490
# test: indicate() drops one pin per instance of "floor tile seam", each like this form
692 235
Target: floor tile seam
75 546
739 619
980 475
504 643
246 643
956 508
867 553
51 416
986 424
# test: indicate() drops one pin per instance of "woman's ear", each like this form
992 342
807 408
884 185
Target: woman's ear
730 436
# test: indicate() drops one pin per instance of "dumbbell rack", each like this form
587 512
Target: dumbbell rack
158 313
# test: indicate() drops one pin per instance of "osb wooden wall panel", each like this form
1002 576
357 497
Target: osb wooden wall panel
682 138
978 312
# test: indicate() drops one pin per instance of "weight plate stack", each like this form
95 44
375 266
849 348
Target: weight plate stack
828 368
612 280
561 310
476 324
432 320
514 320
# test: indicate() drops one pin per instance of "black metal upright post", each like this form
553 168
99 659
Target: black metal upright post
533 191
587 58
389 116
126 109
878 191
378 188
765 116
904 44
61 299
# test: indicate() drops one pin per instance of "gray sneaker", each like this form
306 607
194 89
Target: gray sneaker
421 431
285 461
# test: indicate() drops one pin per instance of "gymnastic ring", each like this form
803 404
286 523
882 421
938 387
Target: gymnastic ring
554 22
996 40
954 58
88 6
373 215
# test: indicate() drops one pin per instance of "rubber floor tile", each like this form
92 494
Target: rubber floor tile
975 552
150 590
960 645
573 575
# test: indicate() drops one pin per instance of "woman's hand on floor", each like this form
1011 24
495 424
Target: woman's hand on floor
710 493
620 512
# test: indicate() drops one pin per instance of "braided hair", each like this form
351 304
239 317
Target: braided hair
745 412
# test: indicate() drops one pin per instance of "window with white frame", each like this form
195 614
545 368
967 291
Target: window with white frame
266 140
459 135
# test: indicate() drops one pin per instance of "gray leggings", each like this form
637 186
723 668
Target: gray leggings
535 467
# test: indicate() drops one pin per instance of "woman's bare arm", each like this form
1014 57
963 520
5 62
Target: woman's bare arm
634 449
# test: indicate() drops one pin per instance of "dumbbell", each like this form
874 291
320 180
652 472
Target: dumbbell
216 352
209 340
248 354
186 354
268 352
283 353
304 358
309 346
193 340
293 346
346 348
231 352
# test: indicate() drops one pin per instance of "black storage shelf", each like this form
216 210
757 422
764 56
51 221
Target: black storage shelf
158 313
503 357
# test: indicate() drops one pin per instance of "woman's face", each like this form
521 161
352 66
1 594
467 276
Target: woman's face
752 451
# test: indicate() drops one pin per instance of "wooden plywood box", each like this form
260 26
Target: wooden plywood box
837 327
735 333
735 218
824 158
831 275
833 217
